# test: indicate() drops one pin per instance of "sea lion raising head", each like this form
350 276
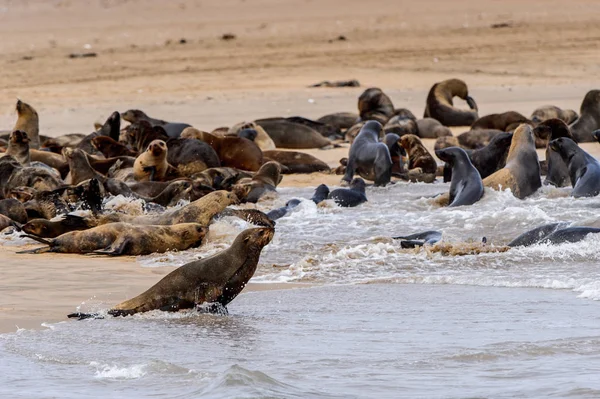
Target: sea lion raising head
28 122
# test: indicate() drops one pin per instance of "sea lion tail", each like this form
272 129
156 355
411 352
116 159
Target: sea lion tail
83 316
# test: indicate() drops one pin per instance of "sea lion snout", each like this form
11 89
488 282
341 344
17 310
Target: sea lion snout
157 147
19 136
555 144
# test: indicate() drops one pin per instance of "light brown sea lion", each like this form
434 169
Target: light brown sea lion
445 142
262 140
553 112
341 120
286 134
522 171
79 166
28 122
589 118
418 156
233 152
216 279
374 104
297 162
152 165
118 239
429 128
111 148
18 147
265 180
439 104
475 139
223 130
13 209
506 121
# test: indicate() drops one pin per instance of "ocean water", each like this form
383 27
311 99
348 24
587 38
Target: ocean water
374 321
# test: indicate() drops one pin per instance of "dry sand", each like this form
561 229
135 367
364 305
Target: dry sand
547 54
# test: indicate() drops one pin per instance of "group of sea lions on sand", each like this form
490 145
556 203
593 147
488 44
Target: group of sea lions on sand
43 179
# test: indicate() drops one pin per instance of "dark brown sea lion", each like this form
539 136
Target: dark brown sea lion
66 140
368 157
13 209
216 279
118 239
51 229
445 142
262 140
6 222
13 175
18 147
589 118
341 120
584 169
418 156
474 139
265 180
440 106
287 134
28 122
139 135
558 172
297 162
374 104
111 128
111 148
329 131
506 121
233 152
400 125
191 156
152 165
553 112
398 154
173 129
221 178
429 128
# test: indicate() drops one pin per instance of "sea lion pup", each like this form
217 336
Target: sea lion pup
421 164
297 162
18 147
398 154
233 152
329 131
191 156
264 181
419 239
546 112
286 134
262 140
110 128
221 178
584 169
548 130
13 175
13 209
341 120
374 104
439 104
589 118
111 148
152 165
368 157
217 279
466 187
28 122
44 228
429 128
352 196
445 142
522 171
506 121
173 129
479 138
117 239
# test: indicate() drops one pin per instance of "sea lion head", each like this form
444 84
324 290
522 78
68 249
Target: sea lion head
449 154
373 103
591 102
133 115
372 129
358 184
522 138
269 173
192 233
408 141
255 239
157 148
38 227
321 193
551 129
24 109
249 134
19 137
564 146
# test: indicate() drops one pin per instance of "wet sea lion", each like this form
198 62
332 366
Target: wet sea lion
152 164
374 104
51 229
265 180
554 233
118 239
253 216
420 161
18 147
536 235
557 171
584 169
546 112
419 239
215 279
111 148
506 121
589 118
284 210
28 122
439 104
466 187
398 154
352 196
297 162
173 129
429 128
191 156
522 171
287 134
341 120
262 140
368 157
479 138
13 209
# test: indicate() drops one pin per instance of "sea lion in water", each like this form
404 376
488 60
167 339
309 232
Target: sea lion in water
522 171
152 164
589 119
421 164
262 140
548 130
18 147
286 134
439 104
352 196
536 235
368 157
118 239
321 194
584 169
429 128
28 122
284 210
546 112
254 216
215 279
419 239
173 129
297 162
554 233
398 154
466 187
374 104
506 121
265 180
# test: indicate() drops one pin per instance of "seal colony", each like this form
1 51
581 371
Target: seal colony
187 178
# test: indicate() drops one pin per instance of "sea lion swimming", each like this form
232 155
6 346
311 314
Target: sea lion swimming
215 279
584 169
466 187
419 239
374 104
536 235
553 233
284 210
557 171
352 196
589 119
28 122
369 157
440 106
118 239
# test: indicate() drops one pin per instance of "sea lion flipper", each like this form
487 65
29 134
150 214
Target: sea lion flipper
118 248
83 316
412 243
40 250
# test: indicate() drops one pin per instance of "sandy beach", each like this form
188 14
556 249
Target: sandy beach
540 52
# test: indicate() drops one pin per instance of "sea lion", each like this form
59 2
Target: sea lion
440 106
262 140
110 128
13 174
401 125
51 229
554 233
479 138
341 120
445 142
287 134
56 144
329 131
53 160
352 196
28 122
249 134
420 161
6 222
546 112
522 171
557 172
215 279
139 135
233 152
80 167
584 169
191 156
506 121
297 162
13 209
265 180
111 148
18 147
398 154
221 178
429 128
253 216
354 130
419 239
117 239
284 210
173 129
374 104
466 187
152 164
536 235
589 119
321 194
368 157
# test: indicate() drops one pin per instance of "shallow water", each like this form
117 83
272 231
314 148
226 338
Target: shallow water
382 322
